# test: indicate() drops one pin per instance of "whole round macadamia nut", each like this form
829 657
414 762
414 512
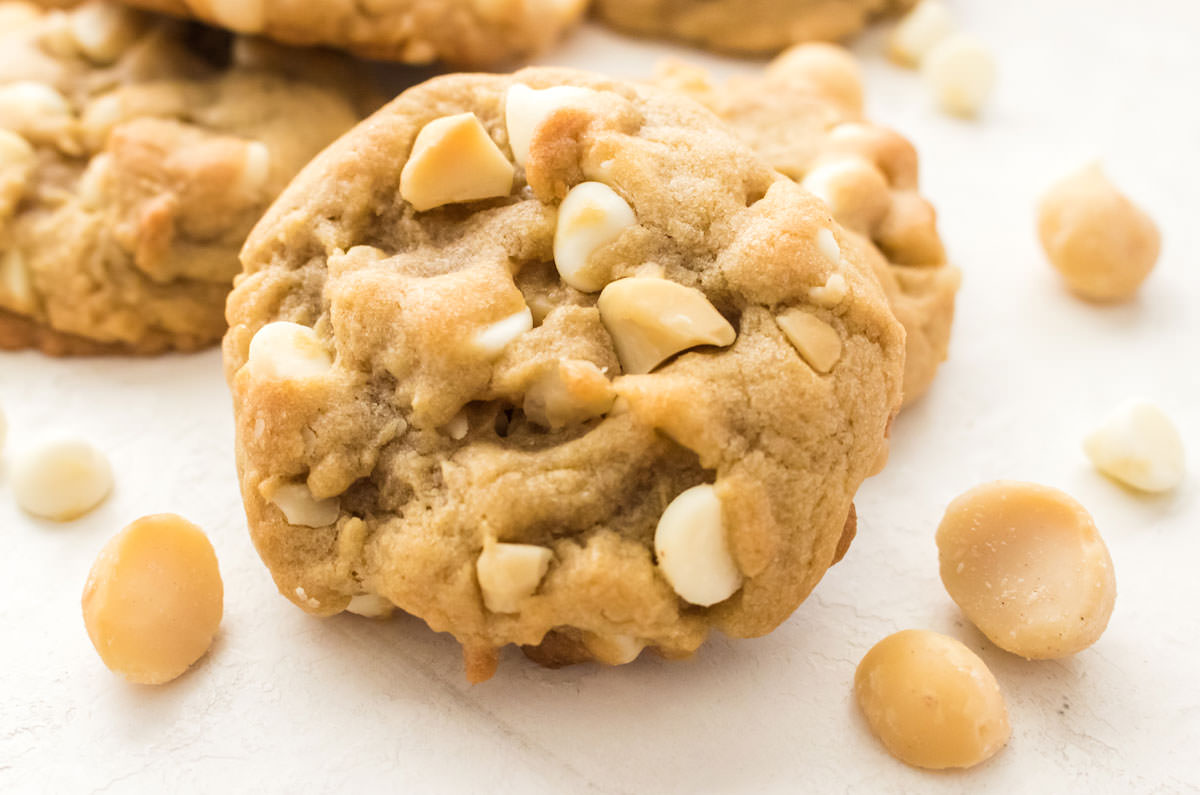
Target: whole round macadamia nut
931 701
1027 566
1102 243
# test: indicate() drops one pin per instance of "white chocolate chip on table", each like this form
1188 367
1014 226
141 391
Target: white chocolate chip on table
590 217
651 320
931 701
454 160
154 599
1027 566
921 29
961 72
1102 244
692 548
61 479
510 573
1139 446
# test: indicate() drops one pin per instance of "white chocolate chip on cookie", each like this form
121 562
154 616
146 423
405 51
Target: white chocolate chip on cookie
1139 446
493 339
454 160
571 392
961 71
298 505
17 160
590 217
832 293
510 573
692 549
818 343
34 110
61 480
856 191
16 286
651 320
613 649
369 605
919 32
288 351
104 31
525 108
828 245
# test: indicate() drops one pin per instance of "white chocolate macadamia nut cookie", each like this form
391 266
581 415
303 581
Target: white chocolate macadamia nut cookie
1028 567
804 115
462 32
136 153
746 26
576 417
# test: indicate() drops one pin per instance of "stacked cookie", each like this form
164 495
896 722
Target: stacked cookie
543 359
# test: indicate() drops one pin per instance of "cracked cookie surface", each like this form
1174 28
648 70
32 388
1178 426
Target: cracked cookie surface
746 26
615 386
135 156
804 115
463 32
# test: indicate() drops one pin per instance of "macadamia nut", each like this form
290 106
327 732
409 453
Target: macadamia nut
931 701
1139 446
62 479
454 160
1103 244
1027 566
299 507
817 342
961 72
153 600
692 548
510 573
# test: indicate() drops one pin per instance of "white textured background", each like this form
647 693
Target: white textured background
287 703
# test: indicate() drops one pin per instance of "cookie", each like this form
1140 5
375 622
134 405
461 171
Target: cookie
804 115
551 359
135 156
746 27
473 33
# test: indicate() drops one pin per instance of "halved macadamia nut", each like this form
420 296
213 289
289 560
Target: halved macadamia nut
1139 446
1027 566
1102 243
525 108
62 479
299 507
454 160
651 320
510 573
931 701
692 548
153 600
817 342
492 340
590 217
287 350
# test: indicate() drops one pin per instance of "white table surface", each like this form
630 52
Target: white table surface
289 703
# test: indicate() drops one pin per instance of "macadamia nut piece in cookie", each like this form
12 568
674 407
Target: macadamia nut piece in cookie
1028 567
1102 243
153 600
1139 446
61 479
931 701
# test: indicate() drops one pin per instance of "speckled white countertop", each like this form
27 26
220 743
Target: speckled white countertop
288 703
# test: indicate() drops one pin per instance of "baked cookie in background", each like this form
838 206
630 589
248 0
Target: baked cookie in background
136 153
747 27
474 33
804 115
550 359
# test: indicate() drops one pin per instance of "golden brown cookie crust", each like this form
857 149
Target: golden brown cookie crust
746 27
804 115
135 155
430 449
462 32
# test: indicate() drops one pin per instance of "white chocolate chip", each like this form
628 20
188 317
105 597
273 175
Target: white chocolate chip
571 392
830 294
1139 446
493 339
510 573
458 427
693 550
525 108
613 649
288 351
243 16
818 343
16 286
104 31
454 160
590 217
93 184
61 480
919 32
828 245
370 605
34 110
3 427
650 320
17 161
856 191
961 72
300 507
256 169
